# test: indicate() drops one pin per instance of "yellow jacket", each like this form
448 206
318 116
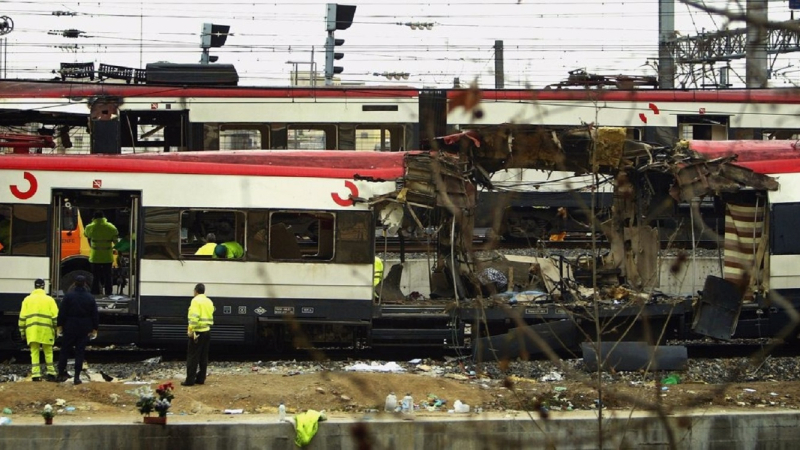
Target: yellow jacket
201 314
306 425
102 236
37 318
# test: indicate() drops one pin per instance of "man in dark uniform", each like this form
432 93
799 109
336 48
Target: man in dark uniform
77 321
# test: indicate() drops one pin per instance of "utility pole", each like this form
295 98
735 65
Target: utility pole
666 36
756 63
499 75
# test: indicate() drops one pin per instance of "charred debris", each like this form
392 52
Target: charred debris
436 201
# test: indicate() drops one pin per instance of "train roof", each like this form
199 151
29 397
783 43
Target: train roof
277 163
765 157
67 89
80 89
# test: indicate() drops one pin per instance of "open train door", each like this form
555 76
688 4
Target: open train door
72 212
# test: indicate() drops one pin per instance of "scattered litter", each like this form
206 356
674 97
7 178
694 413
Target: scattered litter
154 360
234 411
69 409
460 407
375 367
5 421
559 388
672 379
749 390
553 376
415 361
7 411
137 382
60 402
774 394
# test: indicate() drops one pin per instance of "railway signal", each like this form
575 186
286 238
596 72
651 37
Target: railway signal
338 17
213 36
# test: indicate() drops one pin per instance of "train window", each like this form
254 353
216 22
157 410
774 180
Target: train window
203 230
301 236
785 222
703 127
355 241
257 235
29 232
388 137
634 134
243 137
311 137
5 230
161 233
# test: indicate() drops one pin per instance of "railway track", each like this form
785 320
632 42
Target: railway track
702 349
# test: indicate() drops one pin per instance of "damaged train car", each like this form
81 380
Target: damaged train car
610 293
305 222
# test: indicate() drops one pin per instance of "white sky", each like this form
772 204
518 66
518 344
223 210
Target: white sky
543 39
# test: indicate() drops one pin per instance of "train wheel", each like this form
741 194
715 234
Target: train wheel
68 279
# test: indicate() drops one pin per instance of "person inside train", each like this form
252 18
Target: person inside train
228 250
208 248
102 236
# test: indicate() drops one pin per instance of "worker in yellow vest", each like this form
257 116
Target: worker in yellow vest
201 318
102 236
377 276
37 325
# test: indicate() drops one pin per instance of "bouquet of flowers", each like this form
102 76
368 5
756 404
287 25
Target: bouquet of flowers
147 399
48 412
148 402
165 397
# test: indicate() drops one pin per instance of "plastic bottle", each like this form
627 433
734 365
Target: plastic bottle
408 404
281 412
391 402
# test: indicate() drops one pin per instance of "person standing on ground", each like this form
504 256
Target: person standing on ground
201 318
78 320
37 325
102 236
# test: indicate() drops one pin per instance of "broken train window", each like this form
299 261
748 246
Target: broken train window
301 236
201 230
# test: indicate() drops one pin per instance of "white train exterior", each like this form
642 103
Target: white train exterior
308 247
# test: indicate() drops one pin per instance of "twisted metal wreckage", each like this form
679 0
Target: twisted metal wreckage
436 203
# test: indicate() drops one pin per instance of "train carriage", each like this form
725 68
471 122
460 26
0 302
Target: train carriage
308 241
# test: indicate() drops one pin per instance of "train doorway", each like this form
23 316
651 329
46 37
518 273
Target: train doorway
72 212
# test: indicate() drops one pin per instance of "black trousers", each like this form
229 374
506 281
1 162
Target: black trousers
101 276
72 343
197 355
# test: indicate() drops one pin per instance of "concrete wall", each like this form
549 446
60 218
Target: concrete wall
688 277
575 430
